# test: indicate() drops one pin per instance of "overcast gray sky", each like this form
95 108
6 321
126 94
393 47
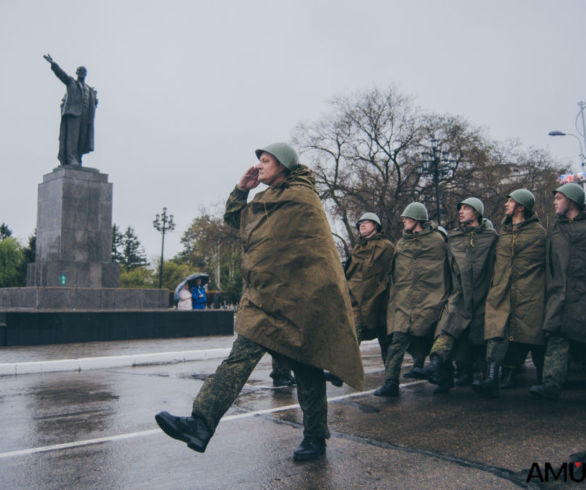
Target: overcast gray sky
187 88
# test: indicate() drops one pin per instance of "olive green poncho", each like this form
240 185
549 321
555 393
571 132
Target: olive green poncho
421 280
515 302
295 300
565 313
368 280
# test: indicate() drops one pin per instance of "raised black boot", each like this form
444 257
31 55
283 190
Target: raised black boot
310 448
545 390
490 385
191 430
464 373
332 378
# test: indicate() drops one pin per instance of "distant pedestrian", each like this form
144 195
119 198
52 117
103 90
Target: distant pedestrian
198 295
184 302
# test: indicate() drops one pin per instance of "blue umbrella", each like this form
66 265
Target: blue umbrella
191 281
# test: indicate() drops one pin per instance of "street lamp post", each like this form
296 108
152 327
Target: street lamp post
437 164
581 136
163 223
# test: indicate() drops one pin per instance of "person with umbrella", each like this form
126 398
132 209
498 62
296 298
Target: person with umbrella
198 295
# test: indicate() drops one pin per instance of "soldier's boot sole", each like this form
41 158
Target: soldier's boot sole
190 430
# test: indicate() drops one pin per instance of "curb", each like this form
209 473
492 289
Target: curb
130 360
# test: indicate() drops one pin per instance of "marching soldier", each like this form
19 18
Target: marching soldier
461 327
514 306
420 284
565 314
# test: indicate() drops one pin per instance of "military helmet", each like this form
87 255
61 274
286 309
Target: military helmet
475 204
370 217
574 192
416 211
284 154
523 197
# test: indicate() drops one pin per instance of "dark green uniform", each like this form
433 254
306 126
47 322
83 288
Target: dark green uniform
420 284
514 306
473 250
367 273
295 301
565 312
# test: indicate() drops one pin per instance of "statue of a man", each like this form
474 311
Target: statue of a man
78 107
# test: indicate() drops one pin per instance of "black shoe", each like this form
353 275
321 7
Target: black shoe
390 388
283 381
310 448
489 386
332 378
464 379
191 430
445 378
546 390
508 378
415 373
433 371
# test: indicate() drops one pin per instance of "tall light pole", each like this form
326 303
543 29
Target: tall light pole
581 136
437 164
163 223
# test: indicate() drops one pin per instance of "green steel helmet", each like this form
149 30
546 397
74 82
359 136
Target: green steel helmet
416 211
574 192
524 198
370 217
283 152
475 204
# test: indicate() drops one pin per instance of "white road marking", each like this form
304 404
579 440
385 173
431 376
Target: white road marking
145 433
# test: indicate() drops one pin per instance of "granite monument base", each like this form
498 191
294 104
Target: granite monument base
61 327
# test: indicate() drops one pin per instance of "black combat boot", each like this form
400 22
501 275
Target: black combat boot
432 373
546 390
390 389
507 378
490 385
283 380
310 448
446 378
464 373
192 430
332 378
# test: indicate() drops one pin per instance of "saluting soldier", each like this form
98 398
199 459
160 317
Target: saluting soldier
514 306
295 302
565 312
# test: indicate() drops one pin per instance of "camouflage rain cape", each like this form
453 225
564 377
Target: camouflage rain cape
295 299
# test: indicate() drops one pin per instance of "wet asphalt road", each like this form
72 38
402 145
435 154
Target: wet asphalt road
95 429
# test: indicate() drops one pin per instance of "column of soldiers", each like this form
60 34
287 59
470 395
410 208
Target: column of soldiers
446 294
479 294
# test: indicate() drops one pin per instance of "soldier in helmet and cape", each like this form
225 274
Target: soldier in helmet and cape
295 302
565 312
420 284
514 305
460 331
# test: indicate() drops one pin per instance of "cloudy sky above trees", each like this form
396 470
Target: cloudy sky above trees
187 89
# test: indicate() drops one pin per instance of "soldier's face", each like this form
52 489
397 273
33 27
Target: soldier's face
409 224
367 228
510 206
561 204
270 172
467 214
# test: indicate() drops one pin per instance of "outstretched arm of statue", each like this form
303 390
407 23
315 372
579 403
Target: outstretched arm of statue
61 75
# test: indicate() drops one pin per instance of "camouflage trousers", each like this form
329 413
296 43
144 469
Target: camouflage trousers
555 367
219 391
365 333
443 346
399 344
280 368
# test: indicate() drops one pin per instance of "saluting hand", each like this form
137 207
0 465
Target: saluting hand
249 180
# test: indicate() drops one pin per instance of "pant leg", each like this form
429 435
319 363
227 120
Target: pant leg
516 355
281 368
555 367
311 394
219 391
443 346
395 353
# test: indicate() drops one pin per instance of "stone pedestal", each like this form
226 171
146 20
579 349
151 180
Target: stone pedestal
74 231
